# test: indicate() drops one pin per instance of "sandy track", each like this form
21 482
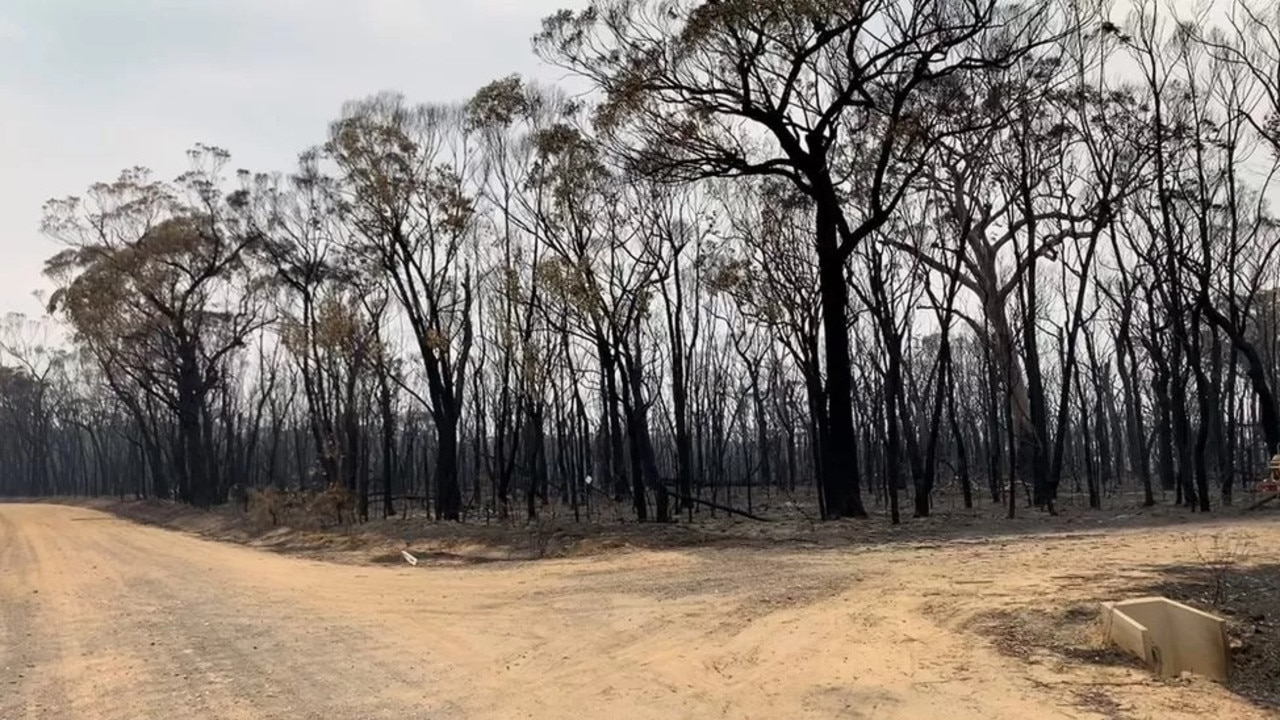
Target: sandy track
101 618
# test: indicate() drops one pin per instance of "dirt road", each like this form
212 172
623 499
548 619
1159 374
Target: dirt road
101 618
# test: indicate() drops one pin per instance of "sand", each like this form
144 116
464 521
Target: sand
104 618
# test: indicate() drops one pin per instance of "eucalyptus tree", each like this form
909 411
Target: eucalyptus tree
157 284
886 237
523 191
682 223
1237 234
1044 172
830 96
403 187
1250 43
33 368
1202 238
498 114
763 265
600 275
303 242
890 288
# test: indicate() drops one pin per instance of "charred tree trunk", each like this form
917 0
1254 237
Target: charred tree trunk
840 482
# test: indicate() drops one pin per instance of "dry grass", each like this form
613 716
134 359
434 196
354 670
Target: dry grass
334 506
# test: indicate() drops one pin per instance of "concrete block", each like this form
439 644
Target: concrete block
1171 638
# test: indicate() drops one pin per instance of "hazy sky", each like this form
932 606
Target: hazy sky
88 87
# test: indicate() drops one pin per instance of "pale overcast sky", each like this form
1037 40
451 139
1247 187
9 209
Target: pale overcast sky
88 87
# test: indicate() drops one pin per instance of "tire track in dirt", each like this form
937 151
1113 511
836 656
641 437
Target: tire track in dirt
141 627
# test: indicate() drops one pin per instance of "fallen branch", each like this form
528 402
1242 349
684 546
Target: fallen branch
716 506
1262 502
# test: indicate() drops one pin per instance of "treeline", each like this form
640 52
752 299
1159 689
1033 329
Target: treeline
798 247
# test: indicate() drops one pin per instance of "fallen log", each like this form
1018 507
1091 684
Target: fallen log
1262 502
716 506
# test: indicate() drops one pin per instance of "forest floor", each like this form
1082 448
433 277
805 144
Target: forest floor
966 615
